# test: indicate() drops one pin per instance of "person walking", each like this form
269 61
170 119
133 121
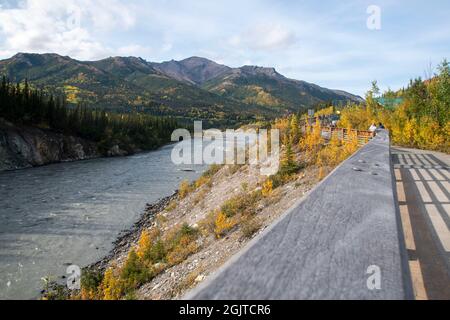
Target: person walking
373 127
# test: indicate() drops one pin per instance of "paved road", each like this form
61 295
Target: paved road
423 187
324 247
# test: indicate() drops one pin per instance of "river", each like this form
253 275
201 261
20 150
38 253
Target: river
71 213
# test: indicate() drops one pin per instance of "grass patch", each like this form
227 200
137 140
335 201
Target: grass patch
250 226
185 189
243 204
172 206
232 169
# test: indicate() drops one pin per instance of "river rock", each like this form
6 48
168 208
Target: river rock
116 152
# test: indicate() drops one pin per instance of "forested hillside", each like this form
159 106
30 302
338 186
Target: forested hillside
22 105
194 88
421 118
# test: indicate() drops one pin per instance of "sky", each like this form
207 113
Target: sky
336 44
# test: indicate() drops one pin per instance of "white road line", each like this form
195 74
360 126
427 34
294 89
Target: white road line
439 225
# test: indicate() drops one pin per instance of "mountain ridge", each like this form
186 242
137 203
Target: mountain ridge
195 87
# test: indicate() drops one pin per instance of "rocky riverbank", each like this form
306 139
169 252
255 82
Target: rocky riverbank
128 238
57 290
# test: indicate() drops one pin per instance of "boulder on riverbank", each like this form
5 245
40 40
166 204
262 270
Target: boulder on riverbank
116 151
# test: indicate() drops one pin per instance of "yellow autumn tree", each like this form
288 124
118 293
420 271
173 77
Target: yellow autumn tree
330 155
111 286
144 244
325 112
350 146
294 130
312 141
283 126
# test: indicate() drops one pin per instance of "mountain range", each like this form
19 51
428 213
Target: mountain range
194 88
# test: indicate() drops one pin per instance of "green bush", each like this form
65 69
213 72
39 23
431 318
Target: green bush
134 272
156 253
250 227
243 204
91 279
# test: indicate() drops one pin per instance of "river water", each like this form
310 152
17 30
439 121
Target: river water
70 213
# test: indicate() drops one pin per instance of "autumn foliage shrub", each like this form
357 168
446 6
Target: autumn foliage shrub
421 120
134 272
180 243
312 141
243 204
152 255
267 188
223 224
90 281
111 287
212 170
203 180
185 189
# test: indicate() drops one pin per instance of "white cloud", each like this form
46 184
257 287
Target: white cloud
64 26
134 50
265 37
327 44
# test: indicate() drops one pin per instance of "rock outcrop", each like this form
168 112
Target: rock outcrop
23 147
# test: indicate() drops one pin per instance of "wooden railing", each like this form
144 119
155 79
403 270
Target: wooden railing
346 134
342 134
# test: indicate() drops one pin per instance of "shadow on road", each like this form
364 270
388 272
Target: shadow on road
423 188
